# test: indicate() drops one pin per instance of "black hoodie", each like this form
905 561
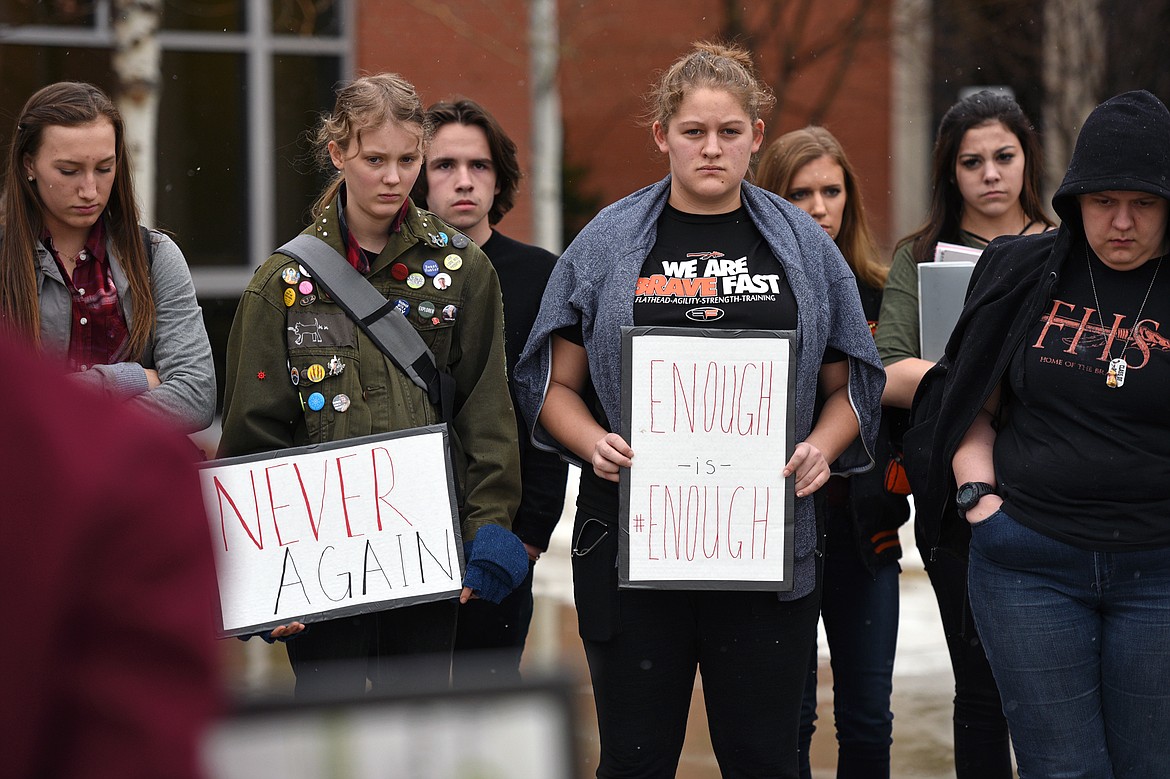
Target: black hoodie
1123 145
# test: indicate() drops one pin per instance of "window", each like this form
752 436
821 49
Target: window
240 84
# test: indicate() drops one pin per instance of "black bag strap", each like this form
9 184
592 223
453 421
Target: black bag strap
148 242
376 316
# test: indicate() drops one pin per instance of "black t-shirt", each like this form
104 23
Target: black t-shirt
1077 460
709 271
713 270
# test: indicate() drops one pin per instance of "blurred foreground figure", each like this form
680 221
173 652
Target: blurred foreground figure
107 586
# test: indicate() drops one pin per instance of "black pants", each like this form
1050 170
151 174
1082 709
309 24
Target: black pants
402 649
752 651
981 733
489 640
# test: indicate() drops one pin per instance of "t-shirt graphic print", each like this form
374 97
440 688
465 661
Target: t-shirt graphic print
712 271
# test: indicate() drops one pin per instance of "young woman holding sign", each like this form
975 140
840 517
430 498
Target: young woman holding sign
77 278
643 646
862 513
279 393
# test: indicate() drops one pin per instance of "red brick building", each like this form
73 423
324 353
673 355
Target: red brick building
610 54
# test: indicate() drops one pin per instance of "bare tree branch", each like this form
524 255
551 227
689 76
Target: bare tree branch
450 18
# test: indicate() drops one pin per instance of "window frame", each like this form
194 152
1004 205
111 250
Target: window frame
259 45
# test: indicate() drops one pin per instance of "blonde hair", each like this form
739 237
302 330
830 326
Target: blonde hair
783 159
366 102
712 65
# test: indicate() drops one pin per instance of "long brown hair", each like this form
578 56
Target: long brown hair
67 104
946 201
366 102
784 158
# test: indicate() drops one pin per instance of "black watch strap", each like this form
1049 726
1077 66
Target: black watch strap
970 493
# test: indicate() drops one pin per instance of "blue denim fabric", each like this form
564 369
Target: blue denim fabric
860 612
1079 643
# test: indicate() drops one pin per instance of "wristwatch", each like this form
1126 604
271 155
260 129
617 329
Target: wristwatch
970 494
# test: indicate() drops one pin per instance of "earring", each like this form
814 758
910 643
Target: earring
32 177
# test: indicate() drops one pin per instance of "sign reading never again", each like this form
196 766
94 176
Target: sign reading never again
318 532
709 415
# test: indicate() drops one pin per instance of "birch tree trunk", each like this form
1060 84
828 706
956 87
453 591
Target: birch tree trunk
136 61
1074 73
547 133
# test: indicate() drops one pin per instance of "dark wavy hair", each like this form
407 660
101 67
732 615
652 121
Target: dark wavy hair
67 104
503 150
946 201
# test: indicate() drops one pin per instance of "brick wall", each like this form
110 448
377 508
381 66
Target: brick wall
611 53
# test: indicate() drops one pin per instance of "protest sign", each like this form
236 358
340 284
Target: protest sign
709 415
319 532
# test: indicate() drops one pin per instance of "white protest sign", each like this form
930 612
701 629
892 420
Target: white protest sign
709 415
318 532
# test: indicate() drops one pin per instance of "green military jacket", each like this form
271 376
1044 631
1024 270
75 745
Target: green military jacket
286 334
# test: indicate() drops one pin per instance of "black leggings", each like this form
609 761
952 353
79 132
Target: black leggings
397 650
752 650
981 733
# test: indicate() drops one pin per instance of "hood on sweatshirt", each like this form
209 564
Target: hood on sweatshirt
1124 145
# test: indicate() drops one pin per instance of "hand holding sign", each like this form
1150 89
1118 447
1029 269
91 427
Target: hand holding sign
809 466
318 532
611 453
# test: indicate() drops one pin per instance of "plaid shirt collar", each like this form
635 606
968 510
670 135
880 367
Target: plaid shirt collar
98 329
357 256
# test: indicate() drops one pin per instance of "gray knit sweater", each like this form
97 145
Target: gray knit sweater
593 285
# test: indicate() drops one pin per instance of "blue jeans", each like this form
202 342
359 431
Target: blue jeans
1079 642
860 612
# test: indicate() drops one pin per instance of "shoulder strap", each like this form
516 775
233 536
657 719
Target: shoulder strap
376 316
149 243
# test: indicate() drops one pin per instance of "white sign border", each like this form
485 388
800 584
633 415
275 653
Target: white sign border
785 583
365 607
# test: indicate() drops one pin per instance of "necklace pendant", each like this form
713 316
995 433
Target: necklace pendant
1116 375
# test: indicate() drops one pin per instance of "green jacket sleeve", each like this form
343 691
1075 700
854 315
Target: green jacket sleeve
484 422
